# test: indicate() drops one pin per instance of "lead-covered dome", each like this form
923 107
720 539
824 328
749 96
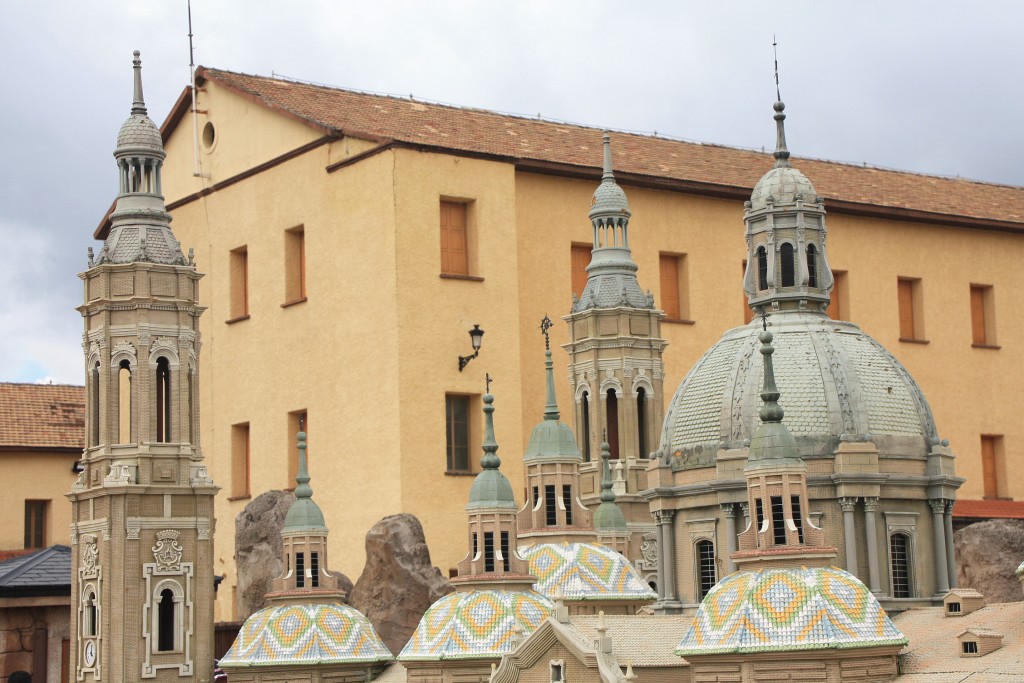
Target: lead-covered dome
785 610
837 383
476 624
784 185
139 133
584 571
306 634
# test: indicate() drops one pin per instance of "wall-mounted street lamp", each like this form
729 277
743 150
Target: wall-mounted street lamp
476 336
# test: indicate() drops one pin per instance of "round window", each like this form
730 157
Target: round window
209 135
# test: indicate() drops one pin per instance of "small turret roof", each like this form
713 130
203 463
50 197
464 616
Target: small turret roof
772 442
491 489
551 438
304 514
608 516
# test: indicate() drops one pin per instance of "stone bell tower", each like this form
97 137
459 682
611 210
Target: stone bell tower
142 586
616 346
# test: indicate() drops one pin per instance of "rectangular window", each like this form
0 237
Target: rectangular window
456 410
911 309
778 523
488 551
983 332
294 265
454 239
551 514
239 273
798 520
240 460
300 570
298 420
580 260
35 523
992 465
314 568
838 308
567 503
674 300
970 647
505 555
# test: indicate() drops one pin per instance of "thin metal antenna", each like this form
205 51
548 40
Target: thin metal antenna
192 79
775 50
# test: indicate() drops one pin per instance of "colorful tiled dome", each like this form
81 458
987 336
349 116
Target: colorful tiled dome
477 624
306 634
584 571
786 610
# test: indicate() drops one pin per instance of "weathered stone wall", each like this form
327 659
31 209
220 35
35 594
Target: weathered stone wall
987 555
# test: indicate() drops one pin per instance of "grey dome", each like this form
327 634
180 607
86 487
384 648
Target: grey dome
140 133
609 198
837 383
783 184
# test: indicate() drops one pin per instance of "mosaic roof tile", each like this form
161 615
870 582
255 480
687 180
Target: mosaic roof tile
306 634
475 625
786 610
584 571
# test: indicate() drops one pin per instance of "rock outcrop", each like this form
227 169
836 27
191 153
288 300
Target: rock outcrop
398 583
987 555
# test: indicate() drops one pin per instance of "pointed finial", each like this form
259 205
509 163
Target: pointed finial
138 103
607 495
490 461
487 382
607 175
771 411
781 151
630 676
551 407
303 490
89 254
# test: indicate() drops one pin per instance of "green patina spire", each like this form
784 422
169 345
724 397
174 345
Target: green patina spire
551 407
304 514
490 488
608 516
552 438
772 442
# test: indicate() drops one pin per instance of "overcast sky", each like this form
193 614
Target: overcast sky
931 87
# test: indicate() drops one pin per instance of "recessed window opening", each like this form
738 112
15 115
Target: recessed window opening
475 547
124 402
550 507
762 269
165 621
898 547
163 400
641 421
580 260
454 239
760 513
89 618
35 523
788 264
812 266
488 551
778 521
94 409
567 503
190 378
612 406
953 607
505 561
970 647
300 570
536 491
314 568
794 504
209 135
585 436
557 675
706 566
457 428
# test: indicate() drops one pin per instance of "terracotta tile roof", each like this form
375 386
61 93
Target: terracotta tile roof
702 166
40 416
989 509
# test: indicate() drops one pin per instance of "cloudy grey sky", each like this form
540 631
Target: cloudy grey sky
931 87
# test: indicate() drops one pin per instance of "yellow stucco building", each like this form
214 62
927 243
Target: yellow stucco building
351 241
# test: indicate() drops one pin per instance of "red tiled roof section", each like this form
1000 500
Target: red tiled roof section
37 416
989 509
483 132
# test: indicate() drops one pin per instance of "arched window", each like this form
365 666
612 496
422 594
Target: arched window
762 269
812 266
899 560
124 402
585 436
612 409
165 621
190 377
89 614
641 421
706 566
94 409
163 400
788 264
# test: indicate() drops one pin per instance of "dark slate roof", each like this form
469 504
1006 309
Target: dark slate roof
40 572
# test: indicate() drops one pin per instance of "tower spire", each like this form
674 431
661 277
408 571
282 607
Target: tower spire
608 174
303 490
771 411
551 405
490 461
139 103
608 518
607 495
781 151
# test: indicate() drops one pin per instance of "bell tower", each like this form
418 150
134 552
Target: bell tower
616 346
142 508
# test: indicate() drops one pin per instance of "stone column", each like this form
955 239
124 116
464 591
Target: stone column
950 559
668 555
850 533
939 528
871 529
745 511
730 535
660 531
